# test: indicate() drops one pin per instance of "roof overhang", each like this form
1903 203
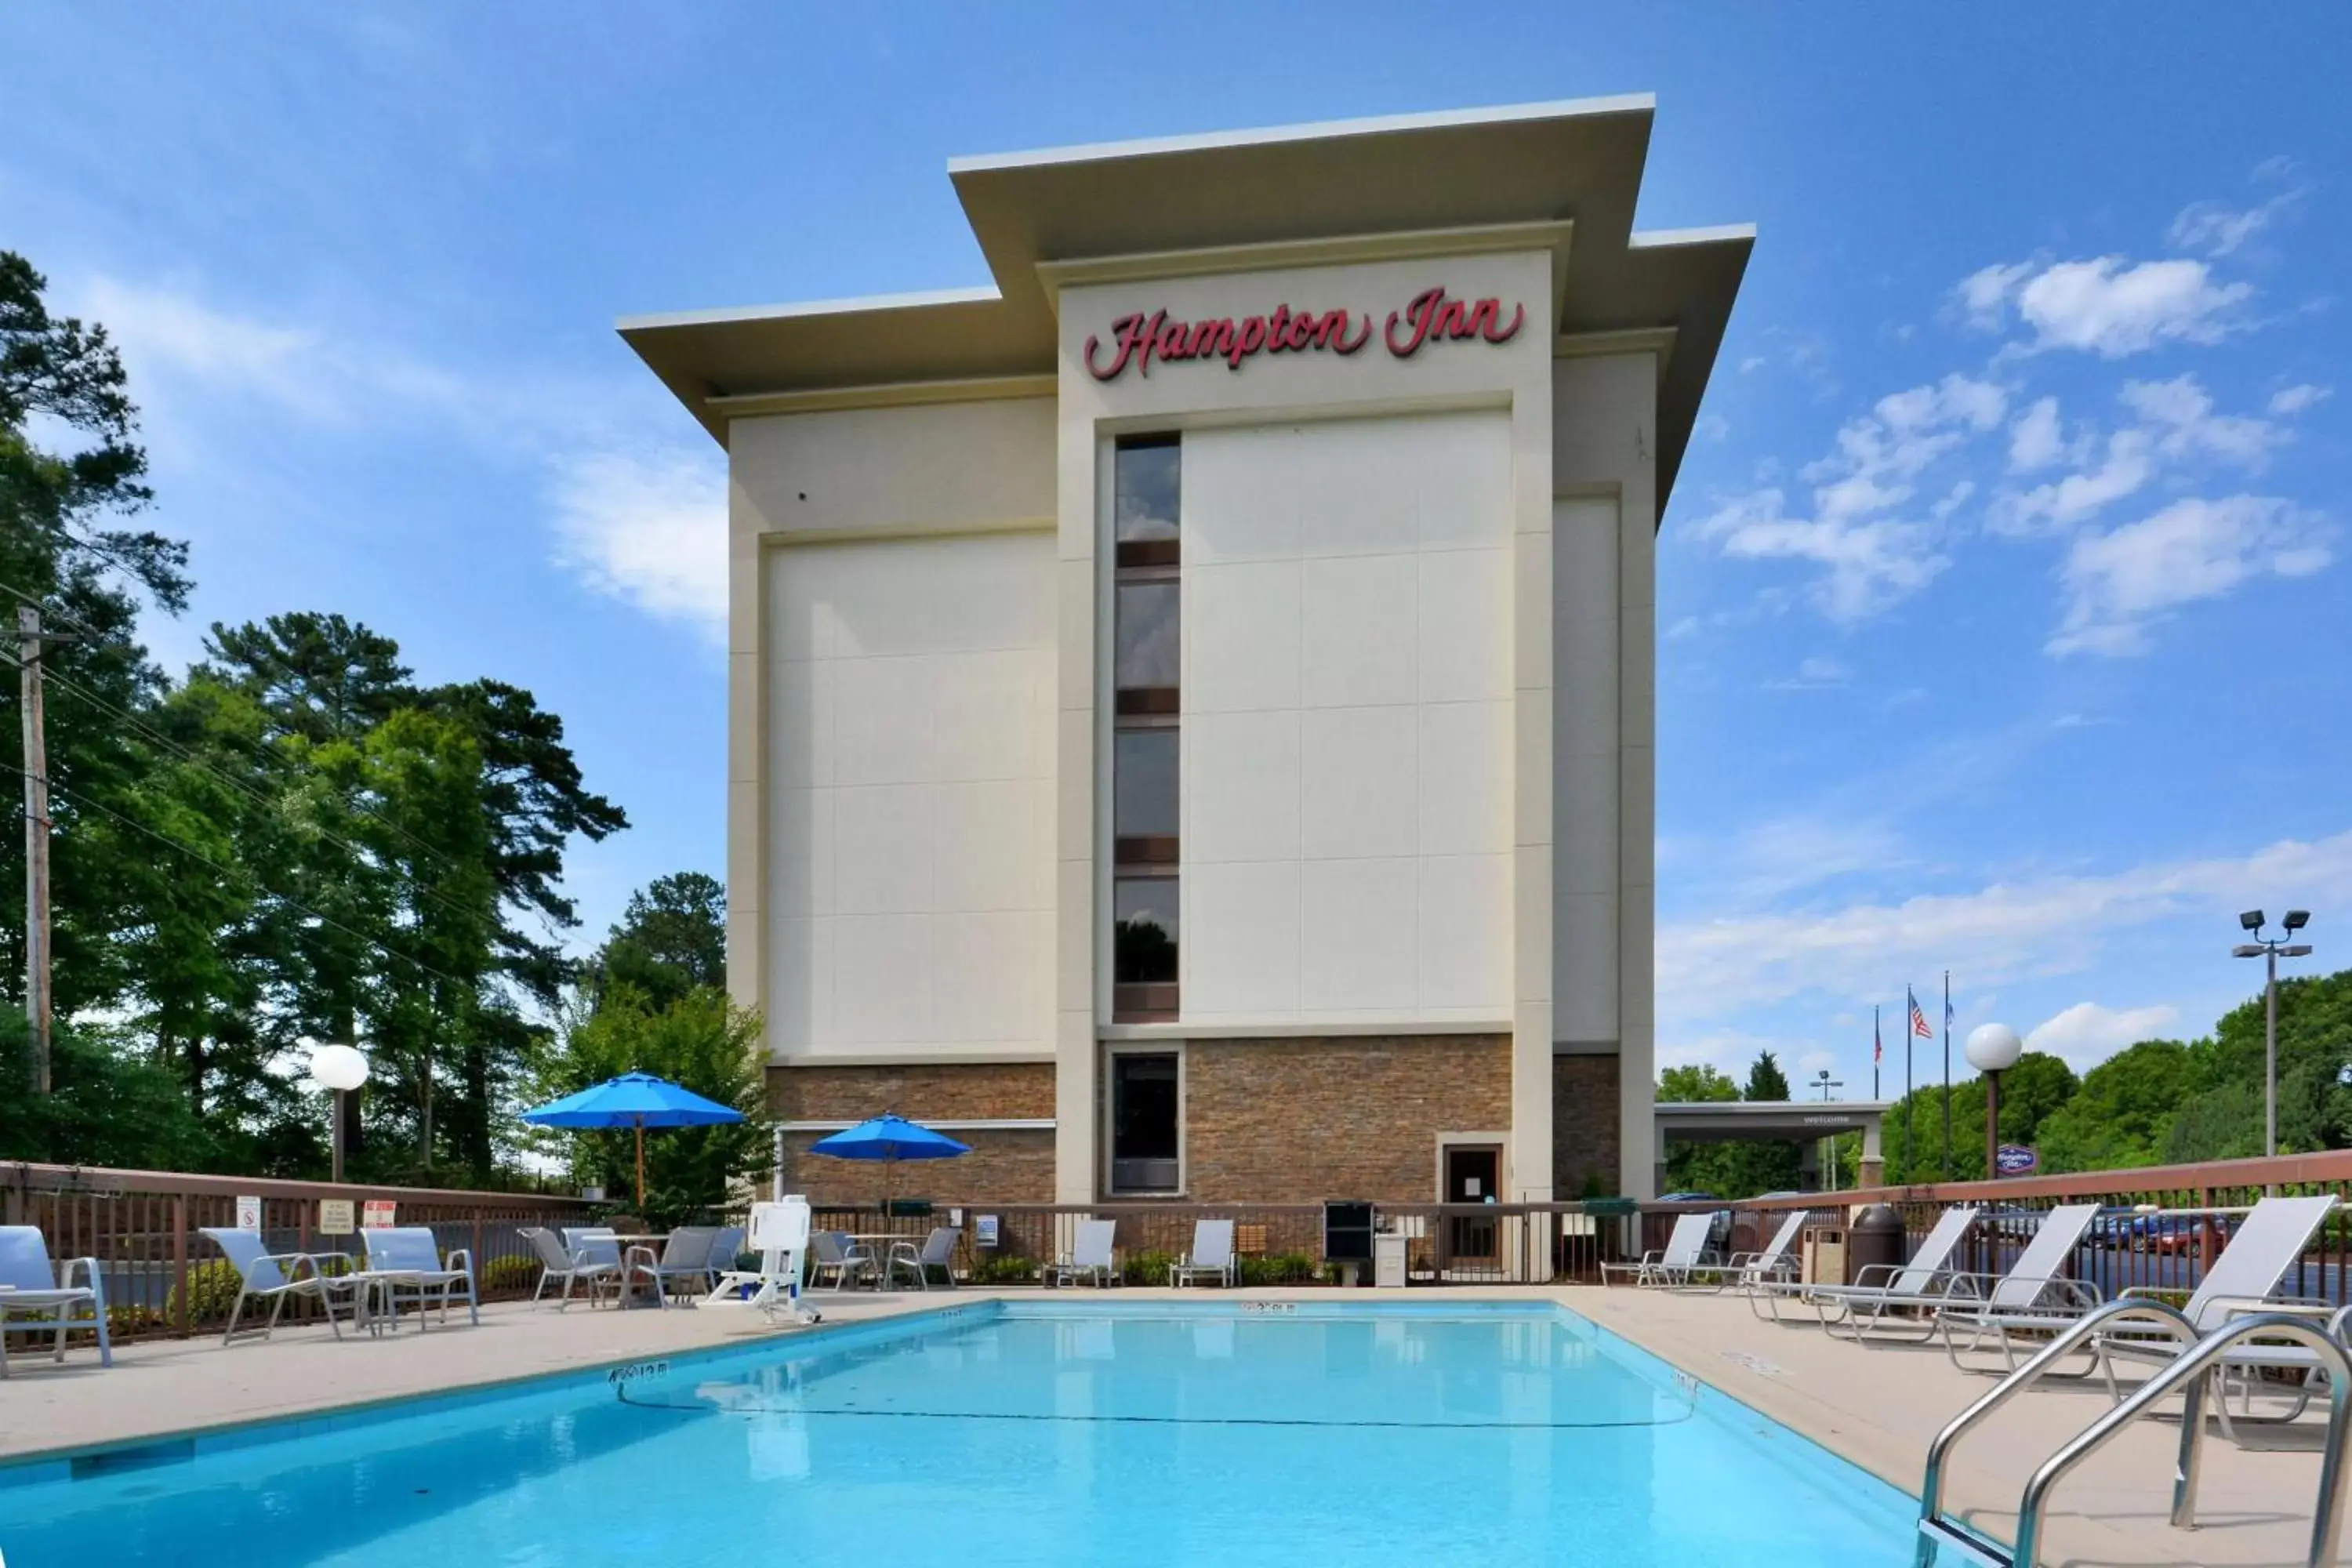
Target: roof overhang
1042 217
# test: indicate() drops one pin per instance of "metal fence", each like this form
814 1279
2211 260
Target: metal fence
1274 1244
2160 1226
163 1277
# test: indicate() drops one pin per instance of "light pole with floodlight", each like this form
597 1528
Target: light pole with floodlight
2271 948
1992 1049
1826 1083
340 1068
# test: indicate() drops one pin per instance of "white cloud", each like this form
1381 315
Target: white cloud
2217 229
2118 582
1869 558
2176 425
648 528
1713 972
2087 1034
2036 440
2105 307
2296 399
2184 414
1814 675
2124 467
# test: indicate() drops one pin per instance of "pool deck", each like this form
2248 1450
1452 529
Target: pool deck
1877 1407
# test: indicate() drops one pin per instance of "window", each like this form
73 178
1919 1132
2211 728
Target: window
1146 672
1143 1118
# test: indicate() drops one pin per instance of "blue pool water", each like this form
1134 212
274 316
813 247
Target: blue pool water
1038 1433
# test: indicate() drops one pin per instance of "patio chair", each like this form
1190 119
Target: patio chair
1212 1256
277 1277
1092 1259
1683 1254
685 1255
407 1260
832 1249
1773 1268
571 1265
1919 1286
35 1287
2245 1277
938 1251
2034 1297
726 1248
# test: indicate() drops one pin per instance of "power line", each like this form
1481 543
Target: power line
251 791
252 882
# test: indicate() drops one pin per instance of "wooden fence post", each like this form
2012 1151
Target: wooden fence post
180 1264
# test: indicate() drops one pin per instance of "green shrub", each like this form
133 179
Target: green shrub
1146 1267
212 1291
1004 1271
516 1274
1279 1268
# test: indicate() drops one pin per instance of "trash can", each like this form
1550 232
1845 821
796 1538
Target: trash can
1387 1261
1877 1238
1822 1256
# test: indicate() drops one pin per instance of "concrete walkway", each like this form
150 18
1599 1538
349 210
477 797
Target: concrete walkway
1877 1407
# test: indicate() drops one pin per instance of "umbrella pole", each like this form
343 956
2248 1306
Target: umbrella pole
641 1168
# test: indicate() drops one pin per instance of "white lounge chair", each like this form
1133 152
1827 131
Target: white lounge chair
1092 1259
938 1251
1683 1254
277 1277
2244 1279
405 1259
1773 1268
1212 1256
685 1256
572 1266
1919 1286
849 1262
31 1285
2033 1297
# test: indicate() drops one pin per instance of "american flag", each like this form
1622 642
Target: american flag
1877 1045
1918 1019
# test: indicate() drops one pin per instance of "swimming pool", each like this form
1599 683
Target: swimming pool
1095 1431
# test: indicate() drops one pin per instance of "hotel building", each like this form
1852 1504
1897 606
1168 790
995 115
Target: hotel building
1192 702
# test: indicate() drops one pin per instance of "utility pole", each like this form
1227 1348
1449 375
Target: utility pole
36 844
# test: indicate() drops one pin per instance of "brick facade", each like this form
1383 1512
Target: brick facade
1585 1141
1297 1121
1005 1166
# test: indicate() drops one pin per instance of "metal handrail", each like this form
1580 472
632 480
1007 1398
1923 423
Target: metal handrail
2326 1523
2159 1314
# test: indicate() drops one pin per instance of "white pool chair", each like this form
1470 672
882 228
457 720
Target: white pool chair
33 1285
277 1277
1212 1256
405 1259
1918 1286
1092 1259
2246 1277
2035 1297
1683 1254
569 1265
938 1251
1773 1268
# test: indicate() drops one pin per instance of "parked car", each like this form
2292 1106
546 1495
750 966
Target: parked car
1719 1230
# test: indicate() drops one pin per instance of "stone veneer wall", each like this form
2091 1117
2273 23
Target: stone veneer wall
1298 1121
1583 1125
1013 1165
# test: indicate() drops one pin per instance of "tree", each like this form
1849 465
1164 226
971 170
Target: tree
700 1040
1695 1085
2122 1114
671 939
2030 1093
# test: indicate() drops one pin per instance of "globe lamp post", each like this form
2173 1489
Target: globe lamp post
1992 1049
340 1068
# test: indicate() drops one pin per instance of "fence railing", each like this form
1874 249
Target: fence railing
1275 1244
2161 1226
162 1277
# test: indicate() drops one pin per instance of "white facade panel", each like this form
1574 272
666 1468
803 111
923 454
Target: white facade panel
1347 733
911 800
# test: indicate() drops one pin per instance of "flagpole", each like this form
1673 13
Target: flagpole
1948 1075
1874 1048
1910 1165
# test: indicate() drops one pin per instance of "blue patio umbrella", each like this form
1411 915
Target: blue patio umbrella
889 1138
637 1099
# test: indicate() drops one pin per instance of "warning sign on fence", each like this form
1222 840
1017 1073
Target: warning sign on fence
334 1217
377 1214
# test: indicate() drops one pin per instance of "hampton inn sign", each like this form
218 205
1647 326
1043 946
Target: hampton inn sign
1433 317
1131 765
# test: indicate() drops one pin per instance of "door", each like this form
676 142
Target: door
1472 1172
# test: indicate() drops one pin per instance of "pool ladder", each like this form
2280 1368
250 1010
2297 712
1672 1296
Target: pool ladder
2187 1372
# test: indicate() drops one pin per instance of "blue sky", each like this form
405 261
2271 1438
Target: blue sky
2003 599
